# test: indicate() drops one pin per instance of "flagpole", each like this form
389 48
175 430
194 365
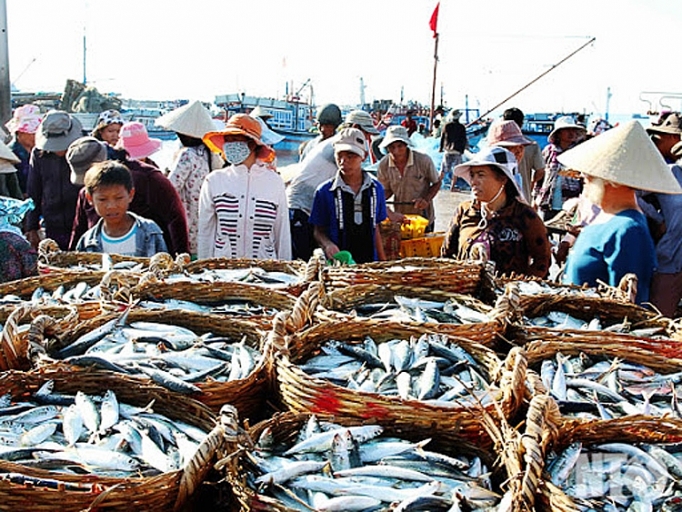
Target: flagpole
433 85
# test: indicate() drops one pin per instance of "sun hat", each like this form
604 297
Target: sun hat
353 140
453 114
506 133
192 119
108 117
7 159
25 119
363 120
494 156
563 123
268 136
671 123
239 124
82 153
623 155
395 133
136 141
260 112
676 150
329 114
57 131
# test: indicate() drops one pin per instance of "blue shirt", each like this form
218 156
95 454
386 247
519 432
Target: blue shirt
607 251
669 247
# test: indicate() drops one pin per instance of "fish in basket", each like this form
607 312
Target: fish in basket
100 442
396 374
299 462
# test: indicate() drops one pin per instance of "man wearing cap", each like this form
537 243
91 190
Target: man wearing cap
155 197
318 167
453 141
348 208
328 119
410 177
618 241
23 127
532 165
665 210
49 183
243 208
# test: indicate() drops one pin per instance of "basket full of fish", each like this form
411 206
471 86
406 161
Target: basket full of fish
208 357
51 259
100 442
443 311
397 374
463 277
298 462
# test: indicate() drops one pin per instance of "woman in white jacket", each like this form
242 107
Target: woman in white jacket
243 209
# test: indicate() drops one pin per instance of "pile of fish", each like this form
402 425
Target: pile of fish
251 275
233 307
80 292
429 368
561 320
172 356
617 476
89 434
530 287
599 388
336 468
407 309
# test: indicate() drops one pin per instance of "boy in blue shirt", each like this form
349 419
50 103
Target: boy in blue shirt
109 188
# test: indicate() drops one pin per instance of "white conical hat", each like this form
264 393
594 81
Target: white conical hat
7 154
192 119
623 155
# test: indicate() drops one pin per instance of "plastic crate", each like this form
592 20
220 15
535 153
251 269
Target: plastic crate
425 247
414 227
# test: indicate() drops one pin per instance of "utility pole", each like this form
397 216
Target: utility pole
5 91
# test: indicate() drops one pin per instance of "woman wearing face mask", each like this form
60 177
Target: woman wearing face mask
497 219
243 209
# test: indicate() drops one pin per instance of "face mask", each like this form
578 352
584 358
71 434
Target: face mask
236 152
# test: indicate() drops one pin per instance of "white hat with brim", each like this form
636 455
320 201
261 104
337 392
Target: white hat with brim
494 156
562 124
395 133
623 155
361 119
269 136
7 159
193 120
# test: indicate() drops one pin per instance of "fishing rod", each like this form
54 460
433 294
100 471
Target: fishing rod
592 40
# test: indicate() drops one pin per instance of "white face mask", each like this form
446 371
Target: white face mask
236 152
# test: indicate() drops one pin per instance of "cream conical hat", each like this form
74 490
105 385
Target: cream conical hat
192 119
7 154
623 155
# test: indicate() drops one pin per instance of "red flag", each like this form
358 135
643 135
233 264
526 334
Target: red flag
433 22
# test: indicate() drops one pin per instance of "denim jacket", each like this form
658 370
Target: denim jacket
148 238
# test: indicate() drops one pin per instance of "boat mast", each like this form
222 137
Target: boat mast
433 85
5 92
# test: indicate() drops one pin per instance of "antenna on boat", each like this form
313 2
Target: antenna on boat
592 40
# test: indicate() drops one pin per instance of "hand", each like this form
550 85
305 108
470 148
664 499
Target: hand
330 250
33 238
396 216
421 203
561 252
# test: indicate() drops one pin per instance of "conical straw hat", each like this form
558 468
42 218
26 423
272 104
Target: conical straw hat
7 154
192 119
623 155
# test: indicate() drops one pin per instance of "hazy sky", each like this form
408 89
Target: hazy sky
170 49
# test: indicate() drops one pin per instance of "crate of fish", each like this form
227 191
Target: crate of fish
463 277
213 359
396 374
443 311
100 441
300 462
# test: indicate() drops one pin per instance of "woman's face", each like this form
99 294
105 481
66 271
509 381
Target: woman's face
110 133
568 137
485 182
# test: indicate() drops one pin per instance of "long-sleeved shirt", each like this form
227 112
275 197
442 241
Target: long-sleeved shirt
243 213
148 238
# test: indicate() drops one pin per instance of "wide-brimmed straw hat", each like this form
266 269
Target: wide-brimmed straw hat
136 141
395 133
239 124
563 123
623 155
57 131
193 120
494 156
26 119
7 159
506 133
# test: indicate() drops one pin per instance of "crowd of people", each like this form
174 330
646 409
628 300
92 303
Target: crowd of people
222 195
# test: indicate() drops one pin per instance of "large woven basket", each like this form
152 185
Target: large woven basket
247 395
49 281
486 333
301 393
160 493
449 275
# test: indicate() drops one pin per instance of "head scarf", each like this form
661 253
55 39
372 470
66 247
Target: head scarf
12 212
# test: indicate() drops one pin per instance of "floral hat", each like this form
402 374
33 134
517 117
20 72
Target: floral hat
26 119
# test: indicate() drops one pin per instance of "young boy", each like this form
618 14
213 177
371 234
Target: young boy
109 188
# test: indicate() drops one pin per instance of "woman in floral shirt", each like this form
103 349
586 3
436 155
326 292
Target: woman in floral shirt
193 162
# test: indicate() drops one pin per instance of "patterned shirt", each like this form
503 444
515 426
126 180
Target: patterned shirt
17 258
555 188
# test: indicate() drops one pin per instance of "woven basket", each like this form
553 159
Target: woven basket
486 333
247 395
463 277
160 493
49 281
301 393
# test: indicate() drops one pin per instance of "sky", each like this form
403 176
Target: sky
488 49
